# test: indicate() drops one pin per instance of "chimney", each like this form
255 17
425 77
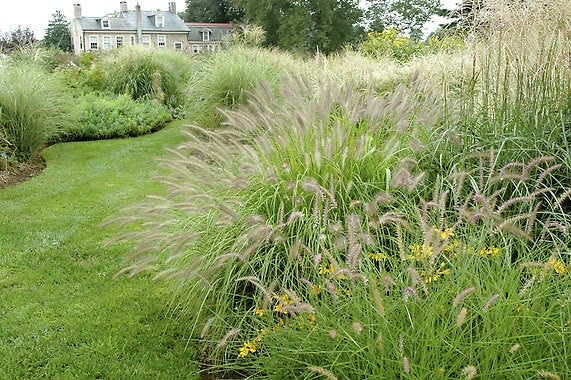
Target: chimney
76 10
139 24
123 6
172 7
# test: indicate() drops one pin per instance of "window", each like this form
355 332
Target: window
119 40
105 24
93 43
196 48
162 41
81 43
160 21
178 45
107 42
206 35
132 40
146 40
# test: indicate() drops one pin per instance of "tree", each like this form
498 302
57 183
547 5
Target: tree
212 11
57 33
464 16
324 25
17 38
408 16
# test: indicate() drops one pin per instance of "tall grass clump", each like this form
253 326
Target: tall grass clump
143 74
224 80
515 94
305 238
33 108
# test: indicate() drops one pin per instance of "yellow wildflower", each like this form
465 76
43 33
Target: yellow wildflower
311 319
260 311
314 290
558 266
327 270
453 247
421 252
247 348
446 233
434 274
492 252
378 256
283 301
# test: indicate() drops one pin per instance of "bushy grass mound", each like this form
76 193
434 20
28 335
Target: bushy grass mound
100 116
32 108
143 74
225 79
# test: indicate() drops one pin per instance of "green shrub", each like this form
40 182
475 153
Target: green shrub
391 43
99 116
33 108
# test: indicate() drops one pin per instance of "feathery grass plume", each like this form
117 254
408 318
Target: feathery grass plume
230 334
377 297
388 283
469 372
408 293
406 365
357 327
528 284
332 334
416 279
460 297
515 348
548 375
461 317
322 371
490 301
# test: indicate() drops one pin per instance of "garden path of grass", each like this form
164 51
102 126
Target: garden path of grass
62 315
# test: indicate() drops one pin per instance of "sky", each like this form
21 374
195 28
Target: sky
36 13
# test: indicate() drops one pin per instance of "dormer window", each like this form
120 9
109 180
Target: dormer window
205 35
105 23
160 21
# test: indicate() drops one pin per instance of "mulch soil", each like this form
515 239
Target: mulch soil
21 172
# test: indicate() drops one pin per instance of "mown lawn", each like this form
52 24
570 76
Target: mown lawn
62 315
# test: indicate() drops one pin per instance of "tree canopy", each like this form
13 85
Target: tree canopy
57 33
211 11
408 16
17 38
324 25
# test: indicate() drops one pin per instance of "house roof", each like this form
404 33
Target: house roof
218 30
127 21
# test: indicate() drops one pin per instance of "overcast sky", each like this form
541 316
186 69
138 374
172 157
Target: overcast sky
36 13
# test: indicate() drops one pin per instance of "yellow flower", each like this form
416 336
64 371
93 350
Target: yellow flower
558 266
314 290
420 252
311 319
283 301
435 274
327 270
378 256
446 233
247 348
492 252
454 246
260 312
